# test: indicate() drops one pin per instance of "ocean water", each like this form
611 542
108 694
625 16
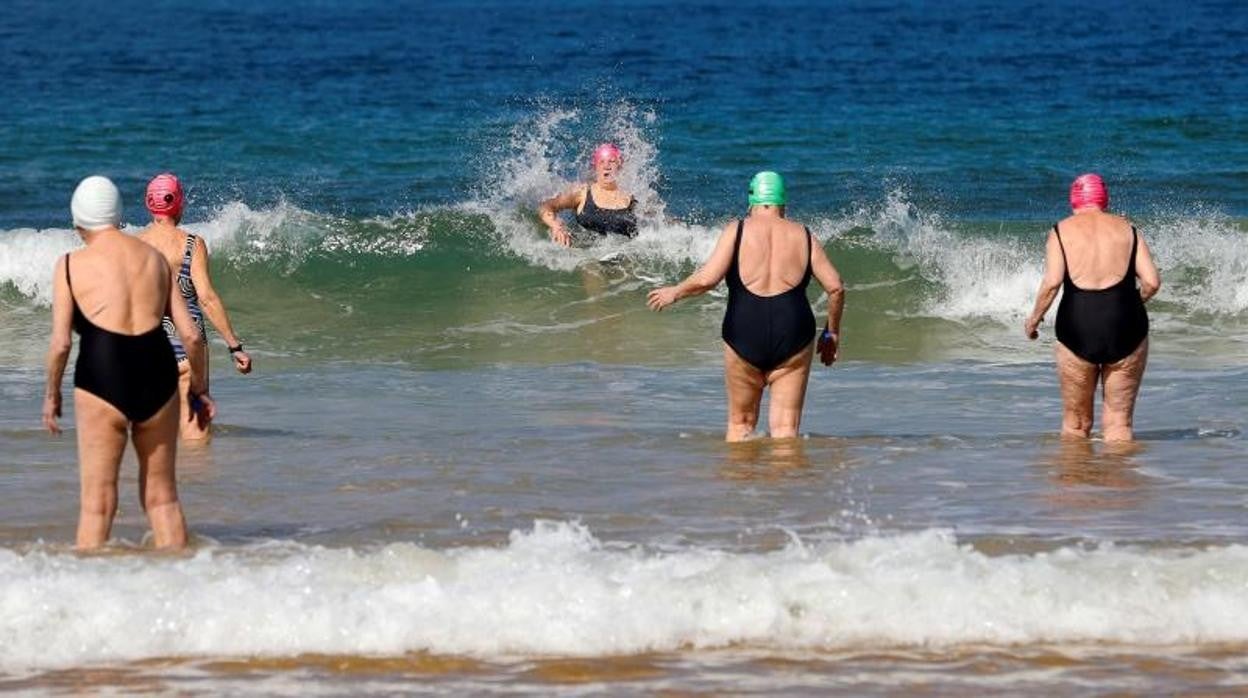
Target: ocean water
472 462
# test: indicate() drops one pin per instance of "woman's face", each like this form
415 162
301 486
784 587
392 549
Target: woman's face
607 169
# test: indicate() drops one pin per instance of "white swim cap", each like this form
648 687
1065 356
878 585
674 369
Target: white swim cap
96 204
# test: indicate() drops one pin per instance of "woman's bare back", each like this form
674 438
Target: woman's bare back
774 255
171 247
121 284
1098 248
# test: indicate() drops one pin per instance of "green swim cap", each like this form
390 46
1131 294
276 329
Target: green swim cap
767 189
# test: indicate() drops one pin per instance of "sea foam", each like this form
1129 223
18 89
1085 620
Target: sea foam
557 590
968 274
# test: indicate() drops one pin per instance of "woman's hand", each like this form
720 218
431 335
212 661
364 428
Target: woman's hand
52 410
660 298
828 347
203 409
559 235
242 361
1031 328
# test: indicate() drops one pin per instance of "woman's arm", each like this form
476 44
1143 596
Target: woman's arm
549 210
213 307
829 345
1054 272
1146 271
704 279
58 346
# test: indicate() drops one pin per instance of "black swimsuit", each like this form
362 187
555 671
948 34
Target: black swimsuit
1102 326
618 221
766 331
137 374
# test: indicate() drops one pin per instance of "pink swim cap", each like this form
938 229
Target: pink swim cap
1089 190
606 151
164 196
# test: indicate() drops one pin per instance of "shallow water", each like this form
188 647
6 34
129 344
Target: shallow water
471 462
470 528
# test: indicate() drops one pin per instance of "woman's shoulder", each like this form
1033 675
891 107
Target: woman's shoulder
201 245
577 191
1120 225
153 237
785 226
1105 217
139 251
792 227
58 266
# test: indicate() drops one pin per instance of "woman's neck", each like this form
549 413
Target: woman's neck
93 236
766 212
1087 209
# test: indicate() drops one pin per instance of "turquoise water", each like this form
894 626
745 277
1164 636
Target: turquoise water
470 461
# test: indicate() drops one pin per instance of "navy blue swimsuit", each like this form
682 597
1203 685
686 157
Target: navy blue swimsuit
616 221
766 331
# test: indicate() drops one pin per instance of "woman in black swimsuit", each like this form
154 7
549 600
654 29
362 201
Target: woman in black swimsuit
768 328
1097 258
601 206
114 294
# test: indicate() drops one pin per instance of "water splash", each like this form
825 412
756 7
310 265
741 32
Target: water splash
557 590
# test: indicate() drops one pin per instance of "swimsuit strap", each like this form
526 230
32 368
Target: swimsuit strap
1065 264
69 282
1135 243
810 254
590 204
78 315
1128 276
735 268
190 249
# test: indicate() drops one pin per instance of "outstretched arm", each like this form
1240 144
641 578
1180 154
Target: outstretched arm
705 278
1054 272
59 346
213 307
829 344
549 210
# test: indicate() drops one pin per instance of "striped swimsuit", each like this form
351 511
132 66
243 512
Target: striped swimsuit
187 287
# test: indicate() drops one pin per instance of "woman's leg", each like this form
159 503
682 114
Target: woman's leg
745 392
156 443
788 383
101 442
1122 385
190 426
1077 379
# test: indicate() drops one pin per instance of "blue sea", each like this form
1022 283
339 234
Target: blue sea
470 461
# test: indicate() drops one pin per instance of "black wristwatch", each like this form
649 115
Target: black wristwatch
235 349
